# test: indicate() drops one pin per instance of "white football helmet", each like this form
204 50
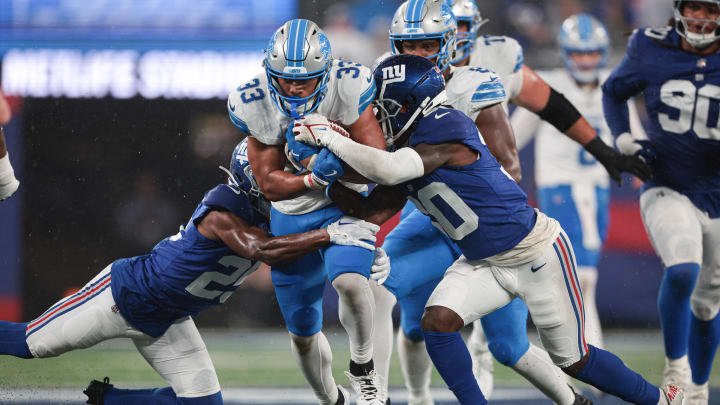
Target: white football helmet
466 11
584 33
298 50
696 40
425 19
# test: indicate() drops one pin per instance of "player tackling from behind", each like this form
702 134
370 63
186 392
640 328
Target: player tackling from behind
677 68
150 299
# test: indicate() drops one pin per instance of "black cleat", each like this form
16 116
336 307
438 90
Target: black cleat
96 390
581 400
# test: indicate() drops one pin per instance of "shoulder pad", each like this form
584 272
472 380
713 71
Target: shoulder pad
445 125
252 111
473 88
229 198
506 51
642 37
354 85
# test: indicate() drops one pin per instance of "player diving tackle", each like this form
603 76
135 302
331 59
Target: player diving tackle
150 299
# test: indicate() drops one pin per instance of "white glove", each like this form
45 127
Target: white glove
8 183
350 231
316 130
380 269
626 144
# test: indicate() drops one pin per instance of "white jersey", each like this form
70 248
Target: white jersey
559 159
350 89
472 89
504 56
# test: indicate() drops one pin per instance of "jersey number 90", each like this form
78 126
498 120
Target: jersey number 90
683 96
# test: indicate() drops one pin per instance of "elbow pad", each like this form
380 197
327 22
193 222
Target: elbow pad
559 112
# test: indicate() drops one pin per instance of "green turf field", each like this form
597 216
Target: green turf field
250 358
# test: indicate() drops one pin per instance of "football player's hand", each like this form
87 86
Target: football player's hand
627 145
298 152
351 231
380 269
327 168
8 186
316 130
616 163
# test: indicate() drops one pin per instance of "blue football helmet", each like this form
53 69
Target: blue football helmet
425 19
241 176
410 87
298 50
697 40
466 11
584 33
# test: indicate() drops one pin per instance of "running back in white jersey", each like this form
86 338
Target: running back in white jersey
504 56
472 89
350 89
559 159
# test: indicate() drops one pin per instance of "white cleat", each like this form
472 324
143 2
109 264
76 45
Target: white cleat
697 394
482 367
677 372
366 386
343 396
673 394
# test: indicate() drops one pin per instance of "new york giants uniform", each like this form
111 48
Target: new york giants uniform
680 205
299 285
150 299
509 249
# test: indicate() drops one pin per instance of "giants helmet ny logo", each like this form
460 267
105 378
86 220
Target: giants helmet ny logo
392 74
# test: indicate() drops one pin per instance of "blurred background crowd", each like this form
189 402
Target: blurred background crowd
120 124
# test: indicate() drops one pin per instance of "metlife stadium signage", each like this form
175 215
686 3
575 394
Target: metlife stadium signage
127 48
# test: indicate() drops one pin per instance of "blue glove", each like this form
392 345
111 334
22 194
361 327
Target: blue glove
297 150
647 152
328 168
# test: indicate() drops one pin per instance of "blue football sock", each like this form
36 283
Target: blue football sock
452 360
13 341
608 373
674 307
156 396
704 339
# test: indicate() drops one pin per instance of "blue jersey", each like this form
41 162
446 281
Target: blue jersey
479 206
186 273
682 97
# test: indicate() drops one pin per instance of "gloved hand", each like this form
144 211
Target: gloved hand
8 183
316 130
616 163
327 168
380 269
351 231
297 152
627 145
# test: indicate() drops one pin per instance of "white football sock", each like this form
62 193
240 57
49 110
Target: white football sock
356 309
416 366
482 359
535 365
313 355
383 333
588 283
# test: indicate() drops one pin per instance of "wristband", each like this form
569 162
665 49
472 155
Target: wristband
310 183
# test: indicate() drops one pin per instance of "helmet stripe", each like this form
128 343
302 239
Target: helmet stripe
301 42
585 27
291 41
414 13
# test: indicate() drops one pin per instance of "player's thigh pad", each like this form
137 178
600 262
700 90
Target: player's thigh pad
506 332
181 358
671 221
582 210
551 290
705 298
79 321
419 254
340 259
470 291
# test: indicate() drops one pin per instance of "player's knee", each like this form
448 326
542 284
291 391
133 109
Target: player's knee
704 305
413 332
441 319
682 277
507 352
351 285
302 344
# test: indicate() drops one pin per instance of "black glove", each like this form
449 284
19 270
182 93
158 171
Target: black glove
616 163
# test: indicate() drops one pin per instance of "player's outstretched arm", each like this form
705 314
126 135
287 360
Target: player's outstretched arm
256 244
494 125
382 203
366 131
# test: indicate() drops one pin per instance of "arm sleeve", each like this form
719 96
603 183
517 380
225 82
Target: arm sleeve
525 124
624 82
379 166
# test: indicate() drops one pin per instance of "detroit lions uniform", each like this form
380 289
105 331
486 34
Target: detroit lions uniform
150 299
299 285
680 205
504 56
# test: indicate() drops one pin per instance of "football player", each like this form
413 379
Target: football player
150 299
573 187
419 253
301 77
509 250
677 68
8 183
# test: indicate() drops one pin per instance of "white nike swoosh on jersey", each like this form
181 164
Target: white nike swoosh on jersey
438 116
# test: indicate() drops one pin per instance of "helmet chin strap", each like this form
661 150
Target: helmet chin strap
426 107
